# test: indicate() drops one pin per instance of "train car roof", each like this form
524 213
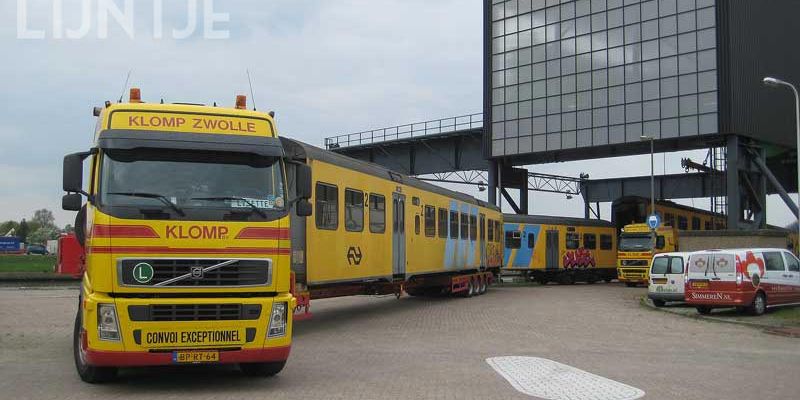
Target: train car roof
299 150
552 220
667 203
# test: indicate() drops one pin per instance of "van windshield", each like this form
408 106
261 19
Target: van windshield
660 265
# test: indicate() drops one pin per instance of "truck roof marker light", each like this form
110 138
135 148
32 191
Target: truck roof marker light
108 103
272 114
136 95
241 102
96 111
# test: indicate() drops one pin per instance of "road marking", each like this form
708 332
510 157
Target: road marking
547 379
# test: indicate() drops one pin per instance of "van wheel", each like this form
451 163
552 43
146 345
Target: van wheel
759 305
262 369
659 303
705 310
88 373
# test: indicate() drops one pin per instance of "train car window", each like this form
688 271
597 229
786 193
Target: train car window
430 221
473 227
416 224
660 242
498 231
573 241
490 227
483 228
415 200
708 226
531 241
683 223
377 213
464 226
353 210
606 242
443 223
669 219
513 240
695 223
327 206
590 241
453 225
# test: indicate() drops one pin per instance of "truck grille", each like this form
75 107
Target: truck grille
633 272
194 312
194 272
634 263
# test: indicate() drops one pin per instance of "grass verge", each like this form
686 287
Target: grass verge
25 263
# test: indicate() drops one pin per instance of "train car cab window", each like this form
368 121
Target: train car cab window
498 231
430 221
483 228
473 227
327 206
590 241
513 239
683 223
377 213
453 225
353 210
490 227
416 224
464 226
531 240
695 223
573 241
443 223
606 242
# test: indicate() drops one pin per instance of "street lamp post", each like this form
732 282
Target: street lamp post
652 173
774 82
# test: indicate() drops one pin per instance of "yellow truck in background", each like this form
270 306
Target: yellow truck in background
637 246
185 233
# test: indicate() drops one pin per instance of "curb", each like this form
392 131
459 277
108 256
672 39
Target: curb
780 330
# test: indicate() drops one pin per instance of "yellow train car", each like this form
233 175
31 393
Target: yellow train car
559 249
376 231
634 209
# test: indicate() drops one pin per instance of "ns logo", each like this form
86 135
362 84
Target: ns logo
354 255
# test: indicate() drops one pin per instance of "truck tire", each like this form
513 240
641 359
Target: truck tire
262 369
88 373
759 305
630 284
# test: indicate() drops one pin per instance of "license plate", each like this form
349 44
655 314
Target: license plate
700 285
659 281
180 357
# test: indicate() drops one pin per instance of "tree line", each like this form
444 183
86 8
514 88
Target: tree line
38 229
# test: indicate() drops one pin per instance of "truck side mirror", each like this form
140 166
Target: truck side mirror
72 202
303 179
73 172
303 208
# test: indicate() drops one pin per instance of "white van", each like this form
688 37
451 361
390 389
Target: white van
666 278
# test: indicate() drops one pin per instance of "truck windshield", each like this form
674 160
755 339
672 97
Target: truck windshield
635 242
191 184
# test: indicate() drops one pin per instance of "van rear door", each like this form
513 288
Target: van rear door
712 271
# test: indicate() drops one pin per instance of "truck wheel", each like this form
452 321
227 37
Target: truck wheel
759 305
659 303
482 286
88 373
262 369
630 284
705 310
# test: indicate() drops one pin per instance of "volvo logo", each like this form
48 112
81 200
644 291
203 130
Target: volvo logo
197 273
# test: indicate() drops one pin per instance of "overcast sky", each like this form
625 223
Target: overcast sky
325 67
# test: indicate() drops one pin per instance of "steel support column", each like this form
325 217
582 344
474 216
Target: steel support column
732 183
492 184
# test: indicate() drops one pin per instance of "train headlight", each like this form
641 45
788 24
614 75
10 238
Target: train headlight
107 323
277 320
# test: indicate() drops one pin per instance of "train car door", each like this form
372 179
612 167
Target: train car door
398 235
482 240
552 250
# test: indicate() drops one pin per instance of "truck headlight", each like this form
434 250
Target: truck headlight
277 320
107 323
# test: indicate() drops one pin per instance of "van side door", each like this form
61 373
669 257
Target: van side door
793 275
774 281
676 270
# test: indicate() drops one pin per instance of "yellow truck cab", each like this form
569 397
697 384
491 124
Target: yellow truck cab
637 246
185 233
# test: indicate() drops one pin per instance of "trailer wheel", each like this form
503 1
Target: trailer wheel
88 373
484 286
262 369
470 289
